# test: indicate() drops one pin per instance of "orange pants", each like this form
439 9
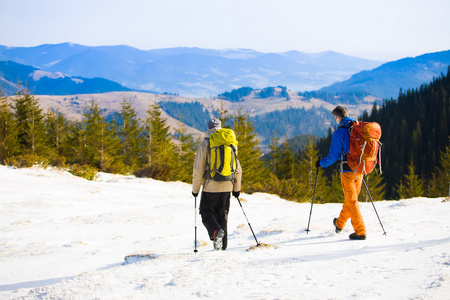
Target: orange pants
351 185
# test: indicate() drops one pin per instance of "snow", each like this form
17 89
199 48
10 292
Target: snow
63 237
38 74
77 80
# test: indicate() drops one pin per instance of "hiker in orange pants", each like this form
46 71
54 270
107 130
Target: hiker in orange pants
351 185
351 181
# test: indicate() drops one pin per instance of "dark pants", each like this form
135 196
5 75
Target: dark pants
214 209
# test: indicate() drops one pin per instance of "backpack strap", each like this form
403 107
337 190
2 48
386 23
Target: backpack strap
344 165
212 165
233 157
379 156
221 153
207 173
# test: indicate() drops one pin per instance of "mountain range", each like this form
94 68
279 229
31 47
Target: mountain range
191 72
196 72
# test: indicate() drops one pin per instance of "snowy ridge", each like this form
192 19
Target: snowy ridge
63 237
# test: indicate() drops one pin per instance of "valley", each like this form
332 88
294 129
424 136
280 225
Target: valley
72 105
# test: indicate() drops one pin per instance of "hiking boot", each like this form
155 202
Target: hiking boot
218 237
338 230
355 236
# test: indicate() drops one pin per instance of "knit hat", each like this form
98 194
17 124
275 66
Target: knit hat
214 123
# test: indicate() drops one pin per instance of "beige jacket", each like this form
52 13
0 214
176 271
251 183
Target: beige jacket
201 165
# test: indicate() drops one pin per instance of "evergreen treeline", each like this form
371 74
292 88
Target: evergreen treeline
190 113
293 122
416 131
349 97
415 137
267 92
270 92
300 142
120 143
236 94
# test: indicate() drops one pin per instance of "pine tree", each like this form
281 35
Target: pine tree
99 141
76 141
375 184
92 135
287 165
9 145
337 196
416 140
130 135
433 189
308 174
56 128
439 184
187 149
411 185
249 153
161 152
224 116
30 125
114 159
274 154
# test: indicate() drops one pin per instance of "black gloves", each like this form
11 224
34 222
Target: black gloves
194 194
318 163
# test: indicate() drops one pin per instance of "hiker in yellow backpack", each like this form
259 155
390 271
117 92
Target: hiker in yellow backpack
217 167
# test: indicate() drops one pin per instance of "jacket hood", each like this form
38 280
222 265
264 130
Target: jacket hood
345 122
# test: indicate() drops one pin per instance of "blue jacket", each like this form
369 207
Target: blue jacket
340 143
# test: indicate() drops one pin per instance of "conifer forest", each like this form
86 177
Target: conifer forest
415 146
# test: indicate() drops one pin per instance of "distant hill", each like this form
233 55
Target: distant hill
386 80
192 72
47 83
196 72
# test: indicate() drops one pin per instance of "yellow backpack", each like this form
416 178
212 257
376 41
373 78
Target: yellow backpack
223 155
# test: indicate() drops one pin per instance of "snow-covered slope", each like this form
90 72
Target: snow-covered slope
62 237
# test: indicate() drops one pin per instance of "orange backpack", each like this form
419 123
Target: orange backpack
364 146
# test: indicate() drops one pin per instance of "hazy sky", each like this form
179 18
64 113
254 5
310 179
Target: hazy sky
375 29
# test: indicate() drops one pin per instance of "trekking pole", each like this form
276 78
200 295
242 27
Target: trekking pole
195 241
370 197
314 193
257 243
